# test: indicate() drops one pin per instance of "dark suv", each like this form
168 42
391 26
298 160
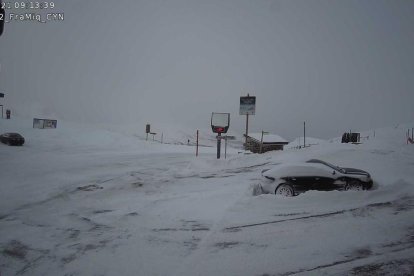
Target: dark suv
12 139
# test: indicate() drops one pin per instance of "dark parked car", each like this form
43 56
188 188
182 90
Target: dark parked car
292 179
12 139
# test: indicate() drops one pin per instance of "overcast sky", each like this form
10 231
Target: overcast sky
337 65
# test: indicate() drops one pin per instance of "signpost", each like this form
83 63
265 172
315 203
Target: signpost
304 134
197 144
225 143
220 123
247 107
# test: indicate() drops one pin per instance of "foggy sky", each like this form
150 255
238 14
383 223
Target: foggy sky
338 65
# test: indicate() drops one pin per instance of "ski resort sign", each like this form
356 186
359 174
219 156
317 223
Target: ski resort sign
247 105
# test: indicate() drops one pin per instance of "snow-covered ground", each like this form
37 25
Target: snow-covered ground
82 201
309 141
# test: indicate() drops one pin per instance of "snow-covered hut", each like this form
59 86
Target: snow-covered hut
260 143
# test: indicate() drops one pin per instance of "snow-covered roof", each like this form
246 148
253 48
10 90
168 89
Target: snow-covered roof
268 138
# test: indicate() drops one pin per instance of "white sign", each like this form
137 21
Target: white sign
220 122
220 119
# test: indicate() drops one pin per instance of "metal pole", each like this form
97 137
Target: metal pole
247 126
412 136
162 137
197 144
261 143
218 145
247 129
225 147
304 134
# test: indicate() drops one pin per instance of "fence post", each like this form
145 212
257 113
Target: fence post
197 144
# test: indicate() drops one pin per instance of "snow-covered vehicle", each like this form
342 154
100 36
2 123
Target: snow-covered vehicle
295 178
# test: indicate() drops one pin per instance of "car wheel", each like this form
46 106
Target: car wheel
354 185
285 190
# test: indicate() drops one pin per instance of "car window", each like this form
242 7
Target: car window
320 169
327 164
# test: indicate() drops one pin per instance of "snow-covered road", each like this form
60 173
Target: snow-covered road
152 209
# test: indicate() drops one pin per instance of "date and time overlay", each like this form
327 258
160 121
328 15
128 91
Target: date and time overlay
31 11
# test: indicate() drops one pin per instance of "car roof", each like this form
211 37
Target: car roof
292 169
11 134
315 161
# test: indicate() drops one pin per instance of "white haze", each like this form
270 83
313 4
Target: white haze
339 65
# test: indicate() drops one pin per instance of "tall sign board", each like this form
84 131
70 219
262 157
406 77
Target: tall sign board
247 105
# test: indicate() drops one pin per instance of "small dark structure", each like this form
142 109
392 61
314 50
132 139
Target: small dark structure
351 137
256 144
44 123
12 139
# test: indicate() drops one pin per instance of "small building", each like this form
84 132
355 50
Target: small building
44 123
351 137
270 142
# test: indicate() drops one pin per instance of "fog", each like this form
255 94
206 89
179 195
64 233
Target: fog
338 65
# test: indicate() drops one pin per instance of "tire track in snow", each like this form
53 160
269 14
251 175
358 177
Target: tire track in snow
408 247
387 204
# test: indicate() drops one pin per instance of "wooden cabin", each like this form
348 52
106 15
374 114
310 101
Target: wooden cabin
258 143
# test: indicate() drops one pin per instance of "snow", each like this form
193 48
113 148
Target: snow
308 140
299 169
79 200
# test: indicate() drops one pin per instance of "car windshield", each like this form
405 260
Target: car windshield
336 168
12 135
